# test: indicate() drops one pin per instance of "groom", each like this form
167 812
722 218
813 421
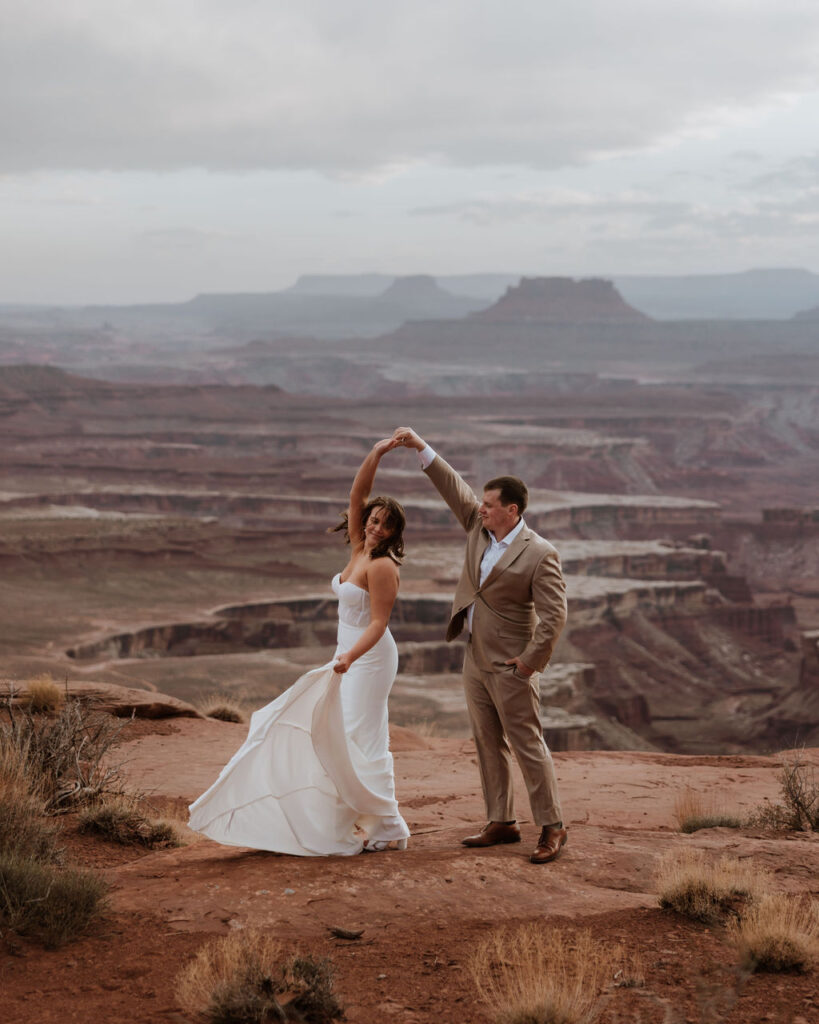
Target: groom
512 599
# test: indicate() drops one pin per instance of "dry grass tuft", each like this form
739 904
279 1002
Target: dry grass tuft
693 811
629 968
173 810
222 707
22 807
707 890
66 757
120 820
55 904
779 933
244 977
42 694
534 975
799 809
37 896
23 830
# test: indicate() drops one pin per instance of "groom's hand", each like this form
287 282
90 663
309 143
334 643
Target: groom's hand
407 437
520 667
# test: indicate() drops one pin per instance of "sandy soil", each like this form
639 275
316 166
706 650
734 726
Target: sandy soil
422 911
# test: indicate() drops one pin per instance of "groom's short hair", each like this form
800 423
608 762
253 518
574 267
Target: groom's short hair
513 491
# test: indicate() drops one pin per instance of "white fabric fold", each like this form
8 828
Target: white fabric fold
292 787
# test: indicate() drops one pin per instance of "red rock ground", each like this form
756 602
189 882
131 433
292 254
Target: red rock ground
423 911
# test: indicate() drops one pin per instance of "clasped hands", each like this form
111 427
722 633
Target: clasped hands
403 437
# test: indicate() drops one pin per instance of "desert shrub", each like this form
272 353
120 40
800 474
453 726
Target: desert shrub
799 808
779 933
24 831
37 896
120 820
172 810
52 903
693 811
244 977
707 890
65 756
224 708
42 693
534 975
23 827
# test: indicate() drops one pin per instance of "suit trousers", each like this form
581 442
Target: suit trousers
504 714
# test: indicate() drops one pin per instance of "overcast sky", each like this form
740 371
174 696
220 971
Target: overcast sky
154 149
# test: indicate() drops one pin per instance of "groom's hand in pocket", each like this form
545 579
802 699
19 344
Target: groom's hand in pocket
522 670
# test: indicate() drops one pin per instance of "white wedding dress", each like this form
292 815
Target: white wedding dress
315 775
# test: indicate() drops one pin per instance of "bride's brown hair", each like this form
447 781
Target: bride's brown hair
392 546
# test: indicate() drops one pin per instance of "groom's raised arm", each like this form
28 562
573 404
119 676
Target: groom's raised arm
450 485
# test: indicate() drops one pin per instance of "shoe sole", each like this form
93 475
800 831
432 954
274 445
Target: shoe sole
495 842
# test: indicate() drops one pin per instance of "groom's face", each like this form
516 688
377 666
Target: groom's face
497 518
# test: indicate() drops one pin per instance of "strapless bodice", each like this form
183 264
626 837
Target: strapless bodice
353 603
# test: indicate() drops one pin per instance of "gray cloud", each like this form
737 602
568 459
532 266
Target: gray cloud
546 209
634 221
186 238
353 87
802 172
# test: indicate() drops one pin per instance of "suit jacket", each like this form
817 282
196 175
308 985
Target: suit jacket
521 607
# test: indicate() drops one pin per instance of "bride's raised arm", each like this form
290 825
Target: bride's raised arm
362 486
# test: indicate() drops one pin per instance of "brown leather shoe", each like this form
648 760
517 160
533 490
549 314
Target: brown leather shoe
492 833
551 842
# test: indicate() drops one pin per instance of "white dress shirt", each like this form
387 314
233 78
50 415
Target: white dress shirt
495 548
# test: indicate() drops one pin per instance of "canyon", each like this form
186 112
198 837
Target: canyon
169 477
172 519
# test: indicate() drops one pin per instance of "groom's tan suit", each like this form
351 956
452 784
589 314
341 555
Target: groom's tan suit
519 612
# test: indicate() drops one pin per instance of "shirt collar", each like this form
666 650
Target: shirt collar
507 540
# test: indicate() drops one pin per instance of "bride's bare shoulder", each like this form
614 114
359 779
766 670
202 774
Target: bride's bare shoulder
383 570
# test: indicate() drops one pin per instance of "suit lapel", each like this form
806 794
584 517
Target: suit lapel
480 551
515 548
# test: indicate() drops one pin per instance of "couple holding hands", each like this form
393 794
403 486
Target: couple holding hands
315 774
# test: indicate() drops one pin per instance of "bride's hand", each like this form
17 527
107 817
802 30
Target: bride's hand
343 662
385 445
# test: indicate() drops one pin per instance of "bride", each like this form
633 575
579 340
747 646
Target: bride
315 774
